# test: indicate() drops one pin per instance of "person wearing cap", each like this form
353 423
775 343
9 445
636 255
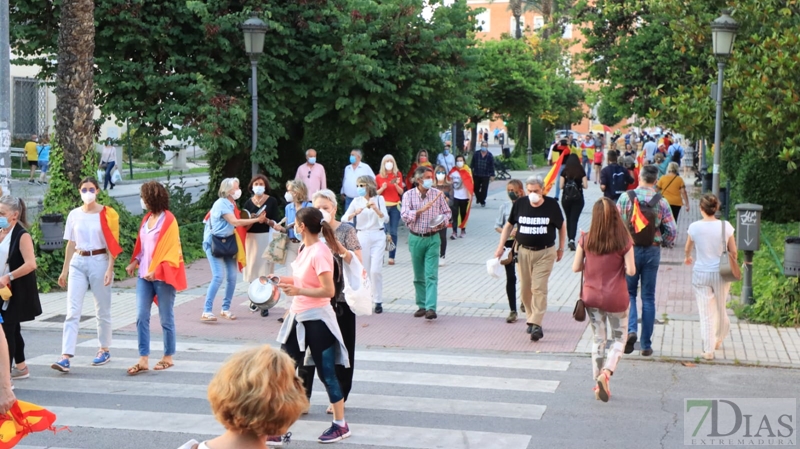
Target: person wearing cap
420 207
446 158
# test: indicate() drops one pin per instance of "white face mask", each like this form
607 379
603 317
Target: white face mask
258 190
326 216
389 166
237 194
288 197
534 198
88 197
440 177
460 164
141 202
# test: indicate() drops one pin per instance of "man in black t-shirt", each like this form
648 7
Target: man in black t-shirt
537 218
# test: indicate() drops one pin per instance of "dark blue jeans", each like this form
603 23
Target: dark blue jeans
107 177
391 229
647 260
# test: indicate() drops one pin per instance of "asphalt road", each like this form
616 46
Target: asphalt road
403 399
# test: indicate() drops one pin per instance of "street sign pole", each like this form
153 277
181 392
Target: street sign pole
748 232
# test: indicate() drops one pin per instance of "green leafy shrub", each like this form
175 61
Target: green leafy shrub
776 297
190 216
767 182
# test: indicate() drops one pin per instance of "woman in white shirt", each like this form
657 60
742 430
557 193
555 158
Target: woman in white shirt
109 157
710 291
372 217
92 234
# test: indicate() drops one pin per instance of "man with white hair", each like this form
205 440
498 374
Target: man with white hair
537 219
351 174
312 174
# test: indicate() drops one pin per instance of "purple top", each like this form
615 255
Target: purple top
148 238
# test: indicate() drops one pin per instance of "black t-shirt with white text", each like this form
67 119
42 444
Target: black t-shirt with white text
537 225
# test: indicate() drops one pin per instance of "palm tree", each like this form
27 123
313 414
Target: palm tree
516 7
75 84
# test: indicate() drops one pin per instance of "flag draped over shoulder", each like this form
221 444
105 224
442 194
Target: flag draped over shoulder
109 223
167 262
551 177
638 220
466 177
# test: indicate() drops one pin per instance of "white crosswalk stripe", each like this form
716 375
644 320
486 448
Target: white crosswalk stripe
410 375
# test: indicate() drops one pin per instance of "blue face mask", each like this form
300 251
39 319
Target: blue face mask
312 160
3 223
484 149
427 183
352 159
446 151
361 191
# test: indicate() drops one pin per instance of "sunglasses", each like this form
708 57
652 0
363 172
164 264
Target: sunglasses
89 190
361 185
440 173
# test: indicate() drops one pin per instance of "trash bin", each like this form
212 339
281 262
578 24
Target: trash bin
507 153
791 257
52 226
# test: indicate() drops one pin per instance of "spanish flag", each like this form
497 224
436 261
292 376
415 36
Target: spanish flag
167 263
240 233
551 177
22 419
109 223
638 220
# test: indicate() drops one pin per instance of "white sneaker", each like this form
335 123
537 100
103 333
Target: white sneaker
441 261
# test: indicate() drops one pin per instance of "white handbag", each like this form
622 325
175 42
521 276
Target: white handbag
357 291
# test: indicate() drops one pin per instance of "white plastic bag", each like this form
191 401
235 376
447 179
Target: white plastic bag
100 175
494 268
116 177
357 290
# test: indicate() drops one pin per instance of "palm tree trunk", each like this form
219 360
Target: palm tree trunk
75 85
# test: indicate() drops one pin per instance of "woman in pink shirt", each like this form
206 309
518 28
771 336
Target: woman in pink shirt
605 255
311 321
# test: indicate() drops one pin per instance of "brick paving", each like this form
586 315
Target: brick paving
473 306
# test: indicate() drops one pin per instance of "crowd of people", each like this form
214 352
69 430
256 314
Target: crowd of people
618 258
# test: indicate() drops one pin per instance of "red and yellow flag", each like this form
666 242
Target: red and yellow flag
22 419
109 223
552 177
167 262
638 220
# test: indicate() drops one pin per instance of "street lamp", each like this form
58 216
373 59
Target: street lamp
530 150
254 30
723 33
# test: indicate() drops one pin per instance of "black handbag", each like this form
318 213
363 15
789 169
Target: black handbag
224 246
579 312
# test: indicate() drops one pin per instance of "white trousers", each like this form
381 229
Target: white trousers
86 273
601 322
373 245
711 294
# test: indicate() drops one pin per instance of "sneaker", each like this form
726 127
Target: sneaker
530 329
334 433
102 358
512 317
463 233
603 392
61 365
537 333
441 261
647 352
278 440
419 313
265 313
571 245
208 317
453 237
30 181
227 315
17 374
630 342
378 308
430 315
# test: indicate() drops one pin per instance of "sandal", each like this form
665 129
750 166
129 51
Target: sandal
137 369
227 315
391 261
162 365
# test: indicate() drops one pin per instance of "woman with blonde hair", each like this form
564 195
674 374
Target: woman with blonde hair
605 256
222 223
370 209
255 394
391 187
296 197
710 290
672 187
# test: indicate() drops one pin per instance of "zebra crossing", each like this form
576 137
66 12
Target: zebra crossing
403 399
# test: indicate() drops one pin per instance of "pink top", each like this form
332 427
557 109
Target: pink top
605 286
149 238
311 262
598 157
313 177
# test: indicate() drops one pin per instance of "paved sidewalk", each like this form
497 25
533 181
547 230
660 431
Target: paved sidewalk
473 306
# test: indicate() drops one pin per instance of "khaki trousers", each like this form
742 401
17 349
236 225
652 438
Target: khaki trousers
534 273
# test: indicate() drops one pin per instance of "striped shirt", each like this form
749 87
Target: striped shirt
413 201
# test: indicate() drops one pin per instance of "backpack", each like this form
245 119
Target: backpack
618 181
647 236
571 190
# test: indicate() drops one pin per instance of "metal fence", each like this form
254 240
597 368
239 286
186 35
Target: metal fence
29 110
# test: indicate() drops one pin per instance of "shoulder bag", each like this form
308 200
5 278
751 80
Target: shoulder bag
276 251
579 312
729 269
224 246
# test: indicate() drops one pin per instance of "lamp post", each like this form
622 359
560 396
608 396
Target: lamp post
530 150
723 33
254 30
